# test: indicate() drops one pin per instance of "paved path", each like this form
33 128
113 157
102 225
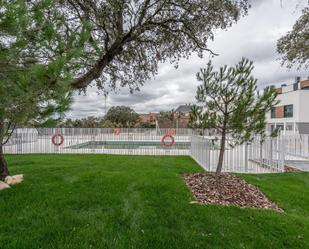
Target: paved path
302 165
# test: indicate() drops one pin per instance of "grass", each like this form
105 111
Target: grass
105 201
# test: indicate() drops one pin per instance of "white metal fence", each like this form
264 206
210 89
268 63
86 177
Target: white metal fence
97 140
296 146
253 157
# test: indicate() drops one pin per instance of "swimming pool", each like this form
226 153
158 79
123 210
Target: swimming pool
124 144
181 145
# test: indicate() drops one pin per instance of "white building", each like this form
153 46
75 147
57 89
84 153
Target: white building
292 113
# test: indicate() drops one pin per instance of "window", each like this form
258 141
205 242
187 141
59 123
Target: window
295 86
273 112
288 111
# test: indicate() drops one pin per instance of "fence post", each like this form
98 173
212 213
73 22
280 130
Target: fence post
246 157
19 143
282 154
261 153
207 154
306 146
271 152
191 145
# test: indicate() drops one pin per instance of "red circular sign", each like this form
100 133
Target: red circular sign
171 132
117 131
54 139
168 140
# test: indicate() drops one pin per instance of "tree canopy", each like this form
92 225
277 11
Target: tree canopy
122 116
294 46
130 38
88 122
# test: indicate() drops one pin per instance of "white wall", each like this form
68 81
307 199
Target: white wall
288 88
300 101
303 106
289 98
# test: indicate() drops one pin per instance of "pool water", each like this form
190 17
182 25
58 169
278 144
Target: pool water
181 145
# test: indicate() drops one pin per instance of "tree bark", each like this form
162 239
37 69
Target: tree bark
4 171
221 155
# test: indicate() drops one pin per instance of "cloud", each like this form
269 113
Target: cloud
254 37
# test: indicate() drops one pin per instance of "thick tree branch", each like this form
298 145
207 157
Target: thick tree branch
96 70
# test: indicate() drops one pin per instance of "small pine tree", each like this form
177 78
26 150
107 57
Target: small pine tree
232 105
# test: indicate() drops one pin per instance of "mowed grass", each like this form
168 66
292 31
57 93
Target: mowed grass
105 201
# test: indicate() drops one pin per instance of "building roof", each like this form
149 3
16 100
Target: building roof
184 108
298 85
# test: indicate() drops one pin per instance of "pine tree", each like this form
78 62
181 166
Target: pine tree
232 105
34 79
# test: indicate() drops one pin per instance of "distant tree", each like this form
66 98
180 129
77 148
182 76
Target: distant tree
170 115
232 105
194 117
294 46
122 116
50 122
108 124
88 122
147 125
167 118
34 79
67 123
91 122
194 123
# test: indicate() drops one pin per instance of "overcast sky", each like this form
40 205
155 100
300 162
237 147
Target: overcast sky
254 37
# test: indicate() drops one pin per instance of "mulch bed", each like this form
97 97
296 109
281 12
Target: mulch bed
227 189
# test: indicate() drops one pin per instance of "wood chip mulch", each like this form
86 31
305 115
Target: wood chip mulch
227 189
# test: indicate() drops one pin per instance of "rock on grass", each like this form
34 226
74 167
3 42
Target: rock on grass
3 185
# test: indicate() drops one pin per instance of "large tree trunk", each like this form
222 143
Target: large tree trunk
4 171
222 150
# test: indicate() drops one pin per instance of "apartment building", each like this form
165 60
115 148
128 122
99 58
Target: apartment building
292 113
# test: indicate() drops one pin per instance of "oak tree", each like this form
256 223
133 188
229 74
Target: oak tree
294 46
122 116
129 38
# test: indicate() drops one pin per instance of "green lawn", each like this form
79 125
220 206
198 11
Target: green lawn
104 201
